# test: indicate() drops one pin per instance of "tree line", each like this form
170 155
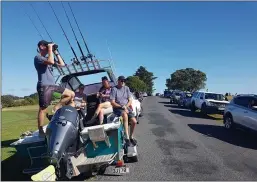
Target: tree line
14 101
141 81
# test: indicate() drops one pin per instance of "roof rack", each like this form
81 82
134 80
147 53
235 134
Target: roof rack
254 95
86 64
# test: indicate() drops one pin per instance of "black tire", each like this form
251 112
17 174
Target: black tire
228 121
102 169
193 109
203 109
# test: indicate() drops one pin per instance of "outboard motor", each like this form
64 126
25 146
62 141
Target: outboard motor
62 132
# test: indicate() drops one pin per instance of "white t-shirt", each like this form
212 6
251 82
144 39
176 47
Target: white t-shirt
79 98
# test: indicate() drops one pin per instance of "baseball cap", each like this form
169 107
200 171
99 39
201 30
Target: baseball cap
121 78
104 78
42 42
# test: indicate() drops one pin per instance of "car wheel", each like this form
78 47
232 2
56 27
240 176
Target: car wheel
193 109
203 109
228 122
179 105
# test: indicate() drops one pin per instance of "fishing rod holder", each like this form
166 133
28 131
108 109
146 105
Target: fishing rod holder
80 66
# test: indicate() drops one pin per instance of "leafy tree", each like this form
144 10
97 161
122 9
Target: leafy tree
187 80
147 77
7 101
135 84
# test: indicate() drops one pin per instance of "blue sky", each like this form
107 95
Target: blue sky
219 38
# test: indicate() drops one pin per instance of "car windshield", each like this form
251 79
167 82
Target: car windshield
214 96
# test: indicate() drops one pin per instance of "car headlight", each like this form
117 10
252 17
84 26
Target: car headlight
211 104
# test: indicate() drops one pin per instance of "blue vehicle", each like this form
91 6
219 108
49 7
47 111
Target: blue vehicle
74 144
167 93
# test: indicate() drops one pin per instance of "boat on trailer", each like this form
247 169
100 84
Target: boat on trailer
73 146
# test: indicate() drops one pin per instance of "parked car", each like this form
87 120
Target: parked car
208 102
145 94
175 96
185 99
241 112
167 93
157 94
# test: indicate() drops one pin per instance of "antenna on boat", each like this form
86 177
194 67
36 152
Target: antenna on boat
111 61
89 54
74 61
83 57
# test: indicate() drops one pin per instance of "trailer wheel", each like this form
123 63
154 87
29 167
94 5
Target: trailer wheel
102 169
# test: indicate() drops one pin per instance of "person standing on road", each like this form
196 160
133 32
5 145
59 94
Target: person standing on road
121 101
46 84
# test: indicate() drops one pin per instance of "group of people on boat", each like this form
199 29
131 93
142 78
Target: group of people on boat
118 99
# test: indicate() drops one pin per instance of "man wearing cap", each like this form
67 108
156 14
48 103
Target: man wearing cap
46 83
121 101
105 106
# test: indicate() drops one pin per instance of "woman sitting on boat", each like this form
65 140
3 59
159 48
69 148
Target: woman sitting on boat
104 95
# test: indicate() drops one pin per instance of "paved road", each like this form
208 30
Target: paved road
176 145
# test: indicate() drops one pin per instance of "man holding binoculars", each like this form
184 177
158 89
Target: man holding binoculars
46 83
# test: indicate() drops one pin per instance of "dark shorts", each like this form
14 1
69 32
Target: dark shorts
119 112
45 94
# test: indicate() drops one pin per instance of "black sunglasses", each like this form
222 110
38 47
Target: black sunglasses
122 80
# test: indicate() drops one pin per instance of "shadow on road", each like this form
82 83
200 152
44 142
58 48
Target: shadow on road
164 102
234 137
172 106
188 113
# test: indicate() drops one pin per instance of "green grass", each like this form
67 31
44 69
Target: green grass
15 121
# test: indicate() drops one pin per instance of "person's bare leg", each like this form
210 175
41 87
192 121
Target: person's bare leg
41 117
61 103
67 96
99 108
101 116
132 126
125 122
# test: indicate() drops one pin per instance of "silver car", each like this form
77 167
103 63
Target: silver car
242 112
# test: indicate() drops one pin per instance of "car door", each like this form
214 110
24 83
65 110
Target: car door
241 110
251 114
194 97
201 100
198 100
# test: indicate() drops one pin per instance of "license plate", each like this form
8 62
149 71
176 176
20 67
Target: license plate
120 170
221 108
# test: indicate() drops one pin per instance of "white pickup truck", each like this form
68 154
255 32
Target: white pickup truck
208 102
